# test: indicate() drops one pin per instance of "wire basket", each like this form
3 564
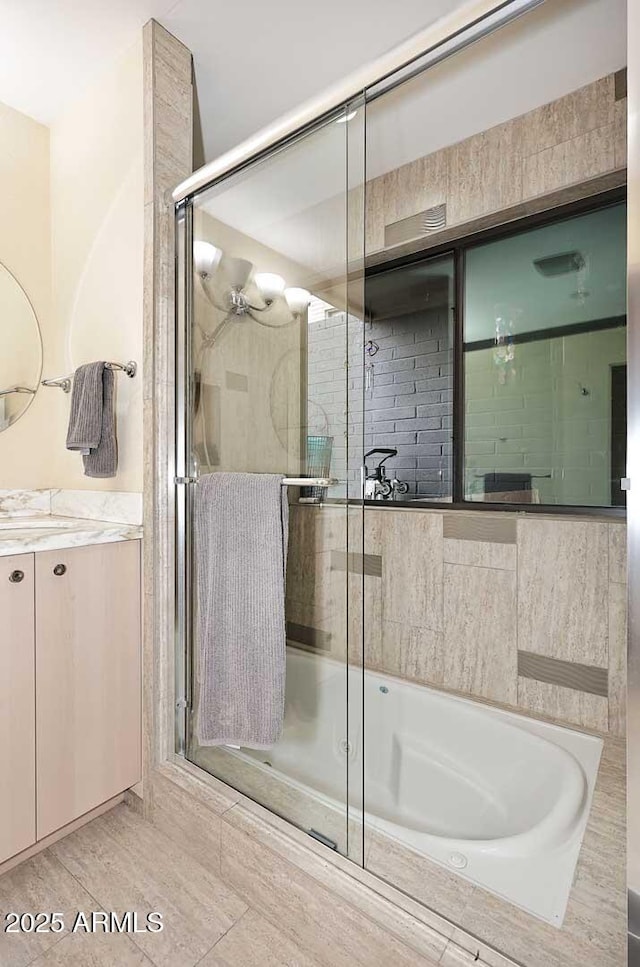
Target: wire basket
318 465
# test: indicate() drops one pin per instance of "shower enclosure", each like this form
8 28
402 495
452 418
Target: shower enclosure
397 311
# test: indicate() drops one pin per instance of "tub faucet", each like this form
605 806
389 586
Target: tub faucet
376 485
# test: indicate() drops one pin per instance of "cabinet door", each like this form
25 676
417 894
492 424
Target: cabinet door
88 718
17 711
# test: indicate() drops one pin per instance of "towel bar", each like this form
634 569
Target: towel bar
64 382
16 389
287 481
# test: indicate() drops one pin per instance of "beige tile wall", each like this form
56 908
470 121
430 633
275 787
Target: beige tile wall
572 140
457 596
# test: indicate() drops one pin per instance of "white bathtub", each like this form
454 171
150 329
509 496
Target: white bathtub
498 797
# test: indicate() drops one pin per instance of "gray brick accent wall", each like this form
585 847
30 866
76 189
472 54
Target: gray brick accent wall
409 405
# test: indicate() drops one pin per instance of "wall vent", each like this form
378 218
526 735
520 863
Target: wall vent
416 226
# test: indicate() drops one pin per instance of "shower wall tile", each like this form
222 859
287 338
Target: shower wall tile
570 140
618 553
566 118
416 186
579 159
411 548
564 704
485 173
480 554
563 589
410 652
480 632
617 658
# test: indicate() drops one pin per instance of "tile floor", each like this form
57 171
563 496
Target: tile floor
119 862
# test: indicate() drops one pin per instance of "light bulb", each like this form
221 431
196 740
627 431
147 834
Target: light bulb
206 258
238 271
297 300
269 285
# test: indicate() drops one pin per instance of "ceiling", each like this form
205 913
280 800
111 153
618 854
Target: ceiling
254 60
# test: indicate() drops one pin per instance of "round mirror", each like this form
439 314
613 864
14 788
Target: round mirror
20 350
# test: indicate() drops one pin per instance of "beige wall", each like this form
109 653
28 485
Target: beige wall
25 249
97 254
89 234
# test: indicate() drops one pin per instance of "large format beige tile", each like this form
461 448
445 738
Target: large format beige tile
480 650
618 553
568 117
39 884
94 950
127 864
411 547
564 704
618 658
569 162
413 653
416 186
401 916
480 554
441 890
333 932
485 174
254 942
563 589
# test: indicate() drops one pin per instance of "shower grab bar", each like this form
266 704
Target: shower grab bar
286 482
64 382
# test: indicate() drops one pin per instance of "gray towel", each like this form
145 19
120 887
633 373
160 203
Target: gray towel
92 425
241 533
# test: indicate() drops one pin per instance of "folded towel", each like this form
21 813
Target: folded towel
241 533
92 425
85 419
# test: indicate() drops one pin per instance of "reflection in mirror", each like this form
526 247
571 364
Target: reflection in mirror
545 363
21 355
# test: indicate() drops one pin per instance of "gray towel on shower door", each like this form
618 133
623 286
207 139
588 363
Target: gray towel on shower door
92 424
241 537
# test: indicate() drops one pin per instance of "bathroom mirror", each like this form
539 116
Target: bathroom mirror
20 350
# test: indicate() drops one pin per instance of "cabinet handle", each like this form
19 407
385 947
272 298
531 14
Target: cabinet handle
16 577
60 569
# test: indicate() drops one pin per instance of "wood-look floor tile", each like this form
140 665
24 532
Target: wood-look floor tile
254 942
41 884
127 864
94 950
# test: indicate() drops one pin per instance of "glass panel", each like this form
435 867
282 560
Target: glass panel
269 350
409 382
472 632
545 363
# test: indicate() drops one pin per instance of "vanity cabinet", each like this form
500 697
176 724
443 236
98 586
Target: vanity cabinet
70 686
17 705
87 678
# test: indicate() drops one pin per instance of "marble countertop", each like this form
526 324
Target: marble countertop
22 534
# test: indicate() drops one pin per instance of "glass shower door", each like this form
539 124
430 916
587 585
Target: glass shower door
269 335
